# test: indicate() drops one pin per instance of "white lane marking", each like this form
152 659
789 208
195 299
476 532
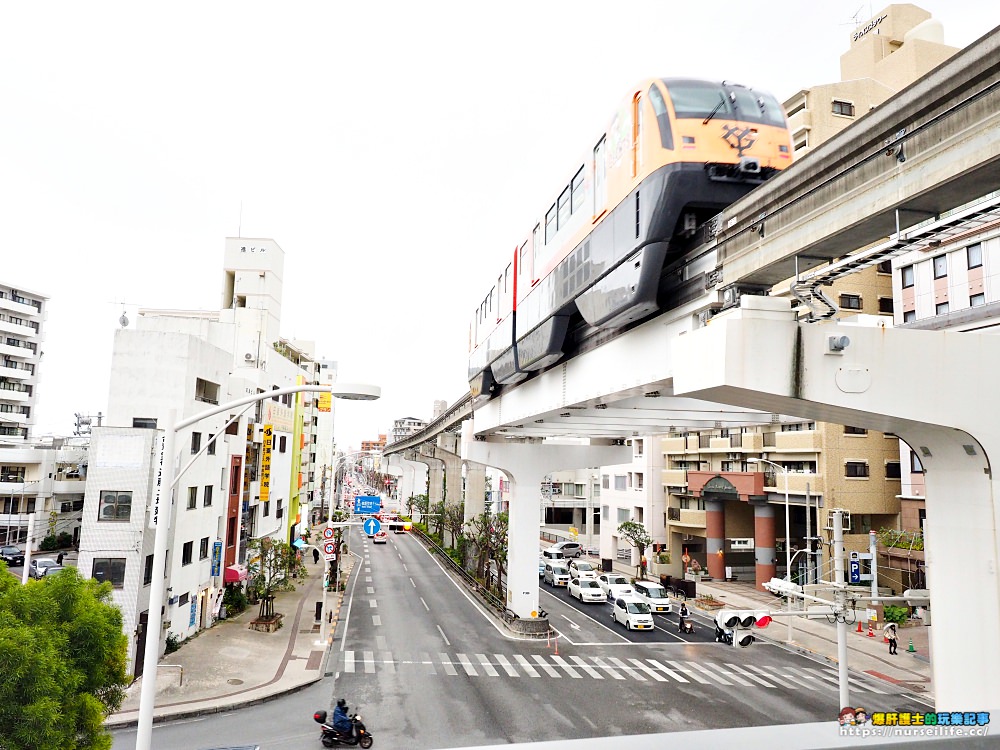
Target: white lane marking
714 675
376 620
446 641
368 579
692 673
821 675
667 670
648 670
467 665
774 672
369 662
412 583
750 676
560 662
571 623
713 668
426 661
405 568
586 668
549 670
425 604
626 668
487 666
525 665
399 556
371 589
610 670
502 661
372 603
380 643
348 661
448 666
388 663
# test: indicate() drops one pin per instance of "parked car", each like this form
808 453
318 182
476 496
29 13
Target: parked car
654 595
586 590
633 613
556 574
614 585
381 538
552 554
41 566
12 555
569 549
541 567
582 569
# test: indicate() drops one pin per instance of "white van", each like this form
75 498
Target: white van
556 573
552 554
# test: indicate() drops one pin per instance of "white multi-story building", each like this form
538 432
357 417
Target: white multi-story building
22 324
242 474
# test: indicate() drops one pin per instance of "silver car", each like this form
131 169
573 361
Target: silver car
556 574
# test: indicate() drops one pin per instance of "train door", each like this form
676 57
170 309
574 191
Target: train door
636 133
600 178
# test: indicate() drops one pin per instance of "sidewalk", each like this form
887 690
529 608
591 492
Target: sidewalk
229 665
818 637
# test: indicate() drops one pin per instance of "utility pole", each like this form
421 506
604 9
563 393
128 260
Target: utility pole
840 596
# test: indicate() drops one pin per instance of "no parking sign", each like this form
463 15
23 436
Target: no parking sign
330 550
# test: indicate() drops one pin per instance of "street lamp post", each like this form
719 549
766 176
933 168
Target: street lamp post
161 509
788 535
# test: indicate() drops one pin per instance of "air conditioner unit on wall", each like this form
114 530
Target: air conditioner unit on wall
248 357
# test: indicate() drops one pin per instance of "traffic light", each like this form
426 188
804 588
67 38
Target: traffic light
740 622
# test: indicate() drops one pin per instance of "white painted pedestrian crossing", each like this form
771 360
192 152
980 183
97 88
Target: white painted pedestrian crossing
697 674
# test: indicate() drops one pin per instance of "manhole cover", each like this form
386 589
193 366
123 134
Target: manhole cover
235 682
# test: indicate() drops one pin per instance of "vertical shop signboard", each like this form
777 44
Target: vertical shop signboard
265 463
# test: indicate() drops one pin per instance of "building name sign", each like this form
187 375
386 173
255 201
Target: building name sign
870 26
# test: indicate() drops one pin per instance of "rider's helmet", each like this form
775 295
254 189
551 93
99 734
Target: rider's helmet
342 703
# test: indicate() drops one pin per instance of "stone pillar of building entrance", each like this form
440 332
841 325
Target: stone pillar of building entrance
526 465
763 543
715 538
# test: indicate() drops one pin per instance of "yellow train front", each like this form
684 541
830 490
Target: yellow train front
676 153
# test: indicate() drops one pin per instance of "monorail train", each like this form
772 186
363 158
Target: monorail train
677 152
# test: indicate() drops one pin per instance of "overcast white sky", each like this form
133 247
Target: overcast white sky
396 151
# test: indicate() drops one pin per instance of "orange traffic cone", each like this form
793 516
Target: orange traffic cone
871 633
859 627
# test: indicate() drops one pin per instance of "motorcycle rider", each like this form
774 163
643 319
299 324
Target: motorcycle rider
341 721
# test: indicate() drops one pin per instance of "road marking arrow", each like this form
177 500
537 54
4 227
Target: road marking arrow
571 623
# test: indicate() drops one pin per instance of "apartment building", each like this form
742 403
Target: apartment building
22 331
242 474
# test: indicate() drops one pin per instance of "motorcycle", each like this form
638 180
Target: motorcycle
684 625
330 737
723 636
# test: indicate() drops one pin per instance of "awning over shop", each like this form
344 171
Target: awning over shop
234 573
298 544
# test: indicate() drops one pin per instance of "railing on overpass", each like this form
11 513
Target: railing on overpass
453 416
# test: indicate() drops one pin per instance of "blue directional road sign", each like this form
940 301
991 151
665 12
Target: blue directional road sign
371 526
364 504
855 571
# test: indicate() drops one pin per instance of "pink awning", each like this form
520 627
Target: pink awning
234 573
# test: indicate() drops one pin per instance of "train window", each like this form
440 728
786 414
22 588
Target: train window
662 117
564 208
550 226
698 100
524 261
600 167
578 192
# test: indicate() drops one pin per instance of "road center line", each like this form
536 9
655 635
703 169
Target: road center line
446 641
425 604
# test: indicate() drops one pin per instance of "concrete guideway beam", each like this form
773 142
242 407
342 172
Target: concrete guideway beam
526 464
876 381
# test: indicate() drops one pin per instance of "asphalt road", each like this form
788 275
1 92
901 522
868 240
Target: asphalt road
429 668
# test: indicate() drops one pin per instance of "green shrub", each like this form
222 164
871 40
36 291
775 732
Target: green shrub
234 600
895 614
173 643
65 539
48 543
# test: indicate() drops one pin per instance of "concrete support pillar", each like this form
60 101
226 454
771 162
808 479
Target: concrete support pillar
526 465
475 490
931 388
435 481
715 538
763 543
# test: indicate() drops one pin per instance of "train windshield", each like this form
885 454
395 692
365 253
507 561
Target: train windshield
704 100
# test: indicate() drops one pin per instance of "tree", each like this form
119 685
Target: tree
437 512
454 521
62 658
271 566
489 534
637 536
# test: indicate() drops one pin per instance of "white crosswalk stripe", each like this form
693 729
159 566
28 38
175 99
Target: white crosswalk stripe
720 675
528 669
487 666
502 661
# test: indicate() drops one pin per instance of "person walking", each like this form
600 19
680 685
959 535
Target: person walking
315 556
890 633
59 558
